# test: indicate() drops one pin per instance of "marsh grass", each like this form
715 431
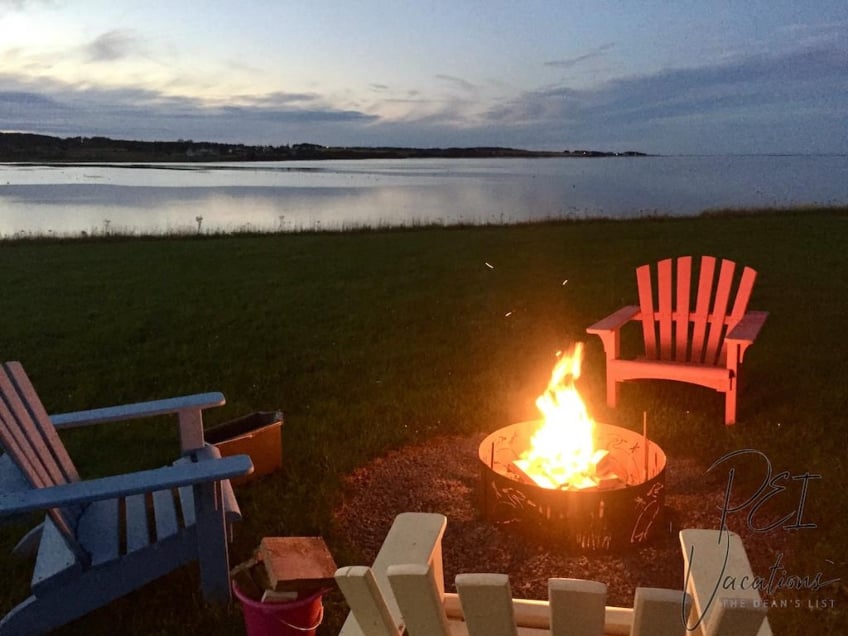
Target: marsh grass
371 340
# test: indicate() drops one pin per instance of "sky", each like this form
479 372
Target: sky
681 77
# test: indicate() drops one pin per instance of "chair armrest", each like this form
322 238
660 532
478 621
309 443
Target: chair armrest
747 329
182 474
137 410
189 408
615 320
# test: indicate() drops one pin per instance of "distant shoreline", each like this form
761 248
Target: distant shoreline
27 147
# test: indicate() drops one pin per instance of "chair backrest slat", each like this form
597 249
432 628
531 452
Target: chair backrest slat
31 441
664 309
34 417
487 605
646 305
22 438
578 607
702 307
671 328
684 283
718 315
740 305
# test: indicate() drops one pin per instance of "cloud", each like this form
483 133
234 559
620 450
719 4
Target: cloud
112 45
457 82
763 93
574 61
51 107
793 100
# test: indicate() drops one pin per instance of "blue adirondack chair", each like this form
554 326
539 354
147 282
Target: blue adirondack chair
103 538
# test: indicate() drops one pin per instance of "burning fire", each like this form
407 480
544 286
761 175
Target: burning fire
562 451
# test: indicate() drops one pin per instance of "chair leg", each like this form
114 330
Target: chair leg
612 391
730 405
212 543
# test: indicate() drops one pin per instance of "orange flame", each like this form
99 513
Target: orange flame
562 452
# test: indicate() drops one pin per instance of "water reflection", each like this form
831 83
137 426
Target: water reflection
168 198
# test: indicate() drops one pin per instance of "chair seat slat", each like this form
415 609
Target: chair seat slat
138 529
165 513
99 530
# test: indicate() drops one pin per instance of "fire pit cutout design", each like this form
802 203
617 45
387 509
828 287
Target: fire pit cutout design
597 486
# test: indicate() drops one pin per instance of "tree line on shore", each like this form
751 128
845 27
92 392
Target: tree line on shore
28 147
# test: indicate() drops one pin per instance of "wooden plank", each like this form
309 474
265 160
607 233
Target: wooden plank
186 494
366 602
22 440
740 306
717 378
414 537
191 429
682 308
47 433
577 607
743 295
734 617
211 538
702 308
138 530
125 484
660 612
164 513
99 531
137 410
615 320
747 329
646 304
718 316
56 564
487 604
709 557
533 614
297 563
419 598
23 449
664 286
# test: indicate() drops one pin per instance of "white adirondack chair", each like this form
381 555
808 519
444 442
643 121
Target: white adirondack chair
95 543
403 593
701 345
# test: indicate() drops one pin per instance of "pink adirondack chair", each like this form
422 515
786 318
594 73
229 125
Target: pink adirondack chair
703 345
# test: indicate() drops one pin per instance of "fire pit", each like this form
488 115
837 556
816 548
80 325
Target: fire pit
595 486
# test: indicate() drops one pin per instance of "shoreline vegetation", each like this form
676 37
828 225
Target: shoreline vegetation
112 232
29 147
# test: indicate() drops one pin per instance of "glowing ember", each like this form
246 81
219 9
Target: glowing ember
562 451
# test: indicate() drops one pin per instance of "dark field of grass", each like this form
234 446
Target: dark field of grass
371 340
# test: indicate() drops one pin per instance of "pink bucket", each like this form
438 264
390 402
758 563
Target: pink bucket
291 618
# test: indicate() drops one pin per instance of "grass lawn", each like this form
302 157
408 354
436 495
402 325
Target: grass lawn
370 340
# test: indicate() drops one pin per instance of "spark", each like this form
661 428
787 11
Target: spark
507 314
564 282
490 266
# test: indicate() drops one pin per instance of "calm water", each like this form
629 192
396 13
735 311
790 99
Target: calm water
275 196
